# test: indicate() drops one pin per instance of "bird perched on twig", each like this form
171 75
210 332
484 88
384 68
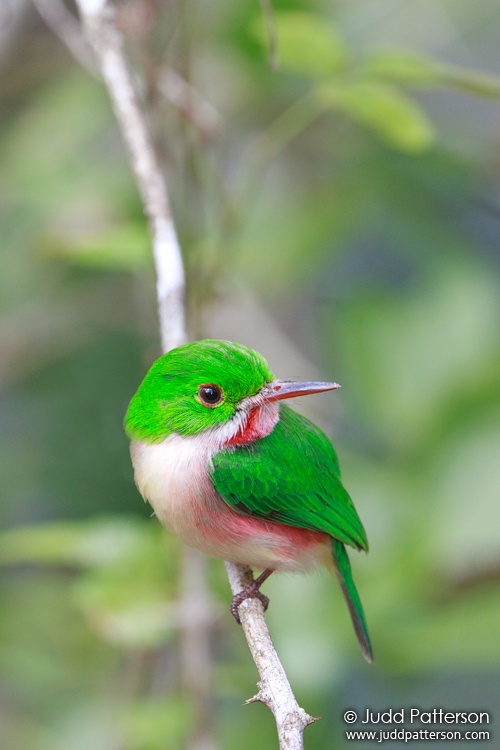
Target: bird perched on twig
236 474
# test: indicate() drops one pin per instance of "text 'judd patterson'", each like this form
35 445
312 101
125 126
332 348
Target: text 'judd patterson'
416 715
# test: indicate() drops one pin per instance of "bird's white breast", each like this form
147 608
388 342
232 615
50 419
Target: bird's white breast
172 476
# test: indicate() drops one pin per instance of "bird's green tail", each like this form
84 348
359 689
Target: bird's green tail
344 575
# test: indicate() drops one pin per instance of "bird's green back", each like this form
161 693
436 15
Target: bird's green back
291 476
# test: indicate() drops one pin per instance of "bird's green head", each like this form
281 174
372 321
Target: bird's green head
194 388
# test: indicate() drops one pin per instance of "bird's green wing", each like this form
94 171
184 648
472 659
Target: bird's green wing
291 476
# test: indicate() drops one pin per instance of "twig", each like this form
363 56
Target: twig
99 19
98 16
189 102
185 98
274 688
272 36
66 27
12 14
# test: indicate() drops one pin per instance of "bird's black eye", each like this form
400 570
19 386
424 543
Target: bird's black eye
210 395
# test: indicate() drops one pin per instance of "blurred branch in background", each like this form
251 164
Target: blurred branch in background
196 109
12 16
65 26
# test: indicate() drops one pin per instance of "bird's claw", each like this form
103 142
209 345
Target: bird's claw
250 592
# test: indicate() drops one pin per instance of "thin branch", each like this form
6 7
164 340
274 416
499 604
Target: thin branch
98 16
272 35
184 97
65 26
99 19
12 14
190 103
274 688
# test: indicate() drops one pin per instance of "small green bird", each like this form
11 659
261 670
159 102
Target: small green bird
238 475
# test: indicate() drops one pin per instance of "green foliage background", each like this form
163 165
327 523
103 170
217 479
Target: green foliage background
355 192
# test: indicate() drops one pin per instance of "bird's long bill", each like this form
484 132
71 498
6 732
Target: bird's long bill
280 389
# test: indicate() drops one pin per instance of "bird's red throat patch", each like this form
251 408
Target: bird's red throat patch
259 423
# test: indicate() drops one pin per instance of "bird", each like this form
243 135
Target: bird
239 475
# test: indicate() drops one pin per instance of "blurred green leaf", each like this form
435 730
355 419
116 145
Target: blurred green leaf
408 68
131 571
156 723
395 118
307 44
461 632
88 543
130 603
403 67
92 543
472 81
125 247
441 341
129 610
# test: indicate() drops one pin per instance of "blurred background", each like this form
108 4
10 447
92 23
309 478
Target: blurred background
335 178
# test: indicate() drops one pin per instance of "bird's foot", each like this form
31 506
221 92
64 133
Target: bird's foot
249 593
252 591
